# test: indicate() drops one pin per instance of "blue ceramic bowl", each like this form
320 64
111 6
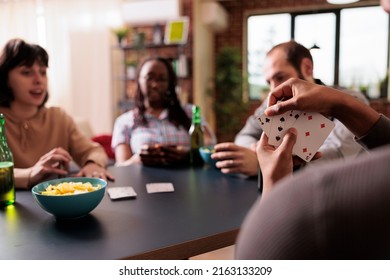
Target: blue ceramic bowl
205 153
69 206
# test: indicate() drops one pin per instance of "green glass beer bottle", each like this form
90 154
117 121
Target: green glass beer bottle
196 137
7 179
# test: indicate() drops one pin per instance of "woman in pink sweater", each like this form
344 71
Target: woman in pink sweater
43 140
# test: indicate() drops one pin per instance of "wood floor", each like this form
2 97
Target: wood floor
226 253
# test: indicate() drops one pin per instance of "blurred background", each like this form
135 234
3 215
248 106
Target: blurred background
216 47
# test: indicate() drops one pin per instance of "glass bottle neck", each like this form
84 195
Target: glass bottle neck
3 138
196 119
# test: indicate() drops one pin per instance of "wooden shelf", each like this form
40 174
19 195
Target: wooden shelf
148 46
128 50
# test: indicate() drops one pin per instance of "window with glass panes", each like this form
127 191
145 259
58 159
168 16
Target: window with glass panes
353 46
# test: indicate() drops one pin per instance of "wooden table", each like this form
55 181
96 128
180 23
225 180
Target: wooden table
204 213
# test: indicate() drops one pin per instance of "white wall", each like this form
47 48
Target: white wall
204 27
91 82
77 35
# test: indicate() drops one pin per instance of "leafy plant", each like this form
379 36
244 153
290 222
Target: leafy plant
121 32
228 103
384 86
132 63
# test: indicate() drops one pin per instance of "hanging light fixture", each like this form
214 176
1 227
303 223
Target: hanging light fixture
340 2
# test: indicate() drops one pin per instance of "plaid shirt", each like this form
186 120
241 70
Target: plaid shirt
157 131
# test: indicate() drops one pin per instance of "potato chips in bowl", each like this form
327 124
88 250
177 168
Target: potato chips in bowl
69 198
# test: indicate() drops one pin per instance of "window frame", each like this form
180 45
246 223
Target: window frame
307 11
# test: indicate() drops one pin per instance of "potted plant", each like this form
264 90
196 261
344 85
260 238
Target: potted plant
121 33
383 86
229 106
139 40
131 69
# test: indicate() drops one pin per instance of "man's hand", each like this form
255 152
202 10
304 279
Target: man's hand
275 163
232 158
302 95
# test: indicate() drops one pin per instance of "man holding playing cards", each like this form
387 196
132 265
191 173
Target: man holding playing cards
338 210
330 211
283 61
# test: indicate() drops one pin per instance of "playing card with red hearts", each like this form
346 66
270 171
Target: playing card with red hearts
313 129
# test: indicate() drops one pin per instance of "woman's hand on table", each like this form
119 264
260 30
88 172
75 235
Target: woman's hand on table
133 160
54 162
91 169
163 155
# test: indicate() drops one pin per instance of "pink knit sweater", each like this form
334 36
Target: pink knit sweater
48 129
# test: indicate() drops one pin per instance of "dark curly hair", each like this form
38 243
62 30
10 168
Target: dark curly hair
176 114
17 53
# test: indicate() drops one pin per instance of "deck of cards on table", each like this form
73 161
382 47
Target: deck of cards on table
313 129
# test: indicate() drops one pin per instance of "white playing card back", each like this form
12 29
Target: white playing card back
159 187
121 192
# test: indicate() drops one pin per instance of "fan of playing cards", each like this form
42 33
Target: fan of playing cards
313 129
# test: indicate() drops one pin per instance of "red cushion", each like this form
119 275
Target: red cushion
105 141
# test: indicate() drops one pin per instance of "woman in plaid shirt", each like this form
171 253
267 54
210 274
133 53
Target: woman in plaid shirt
156 131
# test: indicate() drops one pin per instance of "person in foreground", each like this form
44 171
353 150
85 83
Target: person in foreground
330 211
43 140
156 131
286 60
